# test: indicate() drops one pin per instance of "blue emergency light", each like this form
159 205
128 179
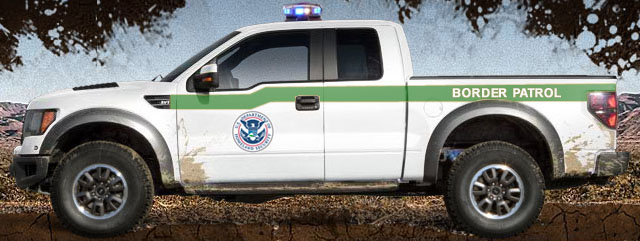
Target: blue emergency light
302 11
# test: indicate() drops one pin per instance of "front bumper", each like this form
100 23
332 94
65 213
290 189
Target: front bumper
29 170
611 163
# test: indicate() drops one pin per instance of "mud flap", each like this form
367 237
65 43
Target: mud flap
611 163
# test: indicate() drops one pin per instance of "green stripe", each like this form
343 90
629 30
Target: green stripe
568 92
242 101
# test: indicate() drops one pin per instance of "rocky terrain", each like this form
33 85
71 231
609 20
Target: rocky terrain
609 210
11 117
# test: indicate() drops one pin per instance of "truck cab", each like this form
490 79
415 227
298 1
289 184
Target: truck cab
301 81
319 107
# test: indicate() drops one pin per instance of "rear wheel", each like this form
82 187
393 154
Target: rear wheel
101 189
494 189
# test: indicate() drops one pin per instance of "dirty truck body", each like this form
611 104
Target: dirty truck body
317 107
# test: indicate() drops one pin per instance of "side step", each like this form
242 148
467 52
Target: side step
292 188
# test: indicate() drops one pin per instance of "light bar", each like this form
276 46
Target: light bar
302 11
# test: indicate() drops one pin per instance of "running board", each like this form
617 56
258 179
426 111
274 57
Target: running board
292 188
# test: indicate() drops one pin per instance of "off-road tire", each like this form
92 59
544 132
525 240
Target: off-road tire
458 197
133 169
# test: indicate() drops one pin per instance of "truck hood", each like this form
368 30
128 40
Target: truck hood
106 92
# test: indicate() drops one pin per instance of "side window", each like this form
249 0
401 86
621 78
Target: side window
358 54
270 57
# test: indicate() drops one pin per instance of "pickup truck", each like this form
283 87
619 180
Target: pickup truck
317 107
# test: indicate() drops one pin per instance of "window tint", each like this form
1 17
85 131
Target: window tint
184 66
358 53
270 57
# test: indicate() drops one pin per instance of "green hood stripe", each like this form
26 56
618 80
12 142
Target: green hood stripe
465 93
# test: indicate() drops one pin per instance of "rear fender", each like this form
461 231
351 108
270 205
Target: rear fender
491 107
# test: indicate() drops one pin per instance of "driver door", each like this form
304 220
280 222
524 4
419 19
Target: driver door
264 123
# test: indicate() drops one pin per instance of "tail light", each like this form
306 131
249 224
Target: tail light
604 106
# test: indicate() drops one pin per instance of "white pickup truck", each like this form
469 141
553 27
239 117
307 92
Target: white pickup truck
317 107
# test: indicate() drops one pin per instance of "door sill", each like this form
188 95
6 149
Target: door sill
292 188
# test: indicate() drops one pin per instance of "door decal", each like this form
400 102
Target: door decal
252 131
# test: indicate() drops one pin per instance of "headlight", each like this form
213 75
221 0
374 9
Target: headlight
36 122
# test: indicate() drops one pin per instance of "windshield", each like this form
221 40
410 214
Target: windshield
184 66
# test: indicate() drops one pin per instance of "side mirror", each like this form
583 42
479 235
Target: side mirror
208 78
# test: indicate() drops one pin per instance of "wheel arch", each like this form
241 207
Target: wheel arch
487 108
117 117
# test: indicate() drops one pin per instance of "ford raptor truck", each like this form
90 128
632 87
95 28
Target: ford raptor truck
317 107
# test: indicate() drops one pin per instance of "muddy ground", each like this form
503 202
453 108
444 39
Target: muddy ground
274 221
609 211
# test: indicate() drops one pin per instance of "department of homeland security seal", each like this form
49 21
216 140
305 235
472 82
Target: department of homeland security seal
252 131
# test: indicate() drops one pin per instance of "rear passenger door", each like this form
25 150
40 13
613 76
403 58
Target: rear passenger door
364 105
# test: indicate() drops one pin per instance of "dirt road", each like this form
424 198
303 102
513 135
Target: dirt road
558 221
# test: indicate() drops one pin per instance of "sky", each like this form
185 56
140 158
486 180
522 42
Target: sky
440 40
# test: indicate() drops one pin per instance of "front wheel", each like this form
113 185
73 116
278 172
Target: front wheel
494 189
101 189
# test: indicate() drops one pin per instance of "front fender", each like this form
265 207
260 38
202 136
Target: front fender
115 116
491 107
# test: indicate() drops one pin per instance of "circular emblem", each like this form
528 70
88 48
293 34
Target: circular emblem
252 131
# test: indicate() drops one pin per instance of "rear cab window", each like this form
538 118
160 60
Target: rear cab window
358 54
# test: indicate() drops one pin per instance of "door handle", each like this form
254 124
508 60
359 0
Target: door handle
304 103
